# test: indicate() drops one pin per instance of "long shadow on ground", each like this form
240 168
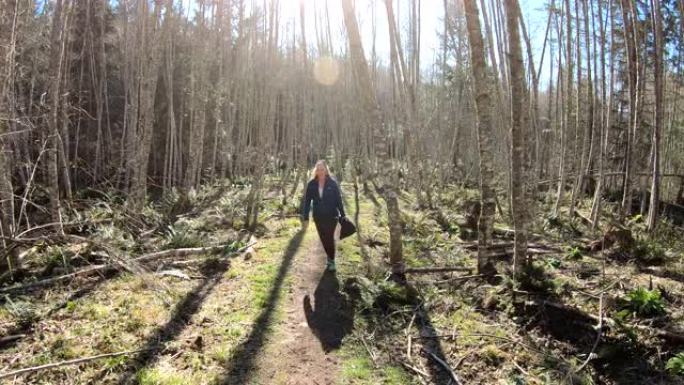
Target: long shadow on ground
213 271
333 317
431 344
241 367
621 360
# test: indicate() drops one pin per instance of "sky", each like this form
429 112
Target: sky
432 16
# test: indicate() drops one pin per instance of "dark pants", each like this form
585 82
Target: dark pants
326 231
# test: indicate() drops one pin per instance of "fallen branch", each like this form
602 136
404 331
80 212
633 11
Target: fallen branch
422 373
473 246
7 339
110 266
425 270
461 278
599 329
444 365
70 362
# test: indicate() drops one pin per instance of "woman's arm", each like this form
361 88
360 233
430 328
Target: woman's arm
340 204
306 204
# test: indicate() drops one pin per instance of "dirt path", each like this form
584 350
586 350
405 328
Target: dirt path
317 317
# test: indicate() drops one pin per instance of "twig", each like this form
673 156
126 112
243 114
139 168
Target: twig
370 353
422 373
408 336
598 337
71 362
446 366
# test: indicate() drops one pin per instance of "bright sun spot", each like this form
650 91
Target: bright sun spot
326 70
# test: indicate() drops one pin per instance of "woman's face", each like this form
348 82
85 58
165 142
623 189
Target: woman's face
320 170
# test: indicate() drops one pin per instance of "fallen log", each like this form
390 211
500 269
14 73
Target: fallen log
427 270
110 266
472 246
7 339
456 279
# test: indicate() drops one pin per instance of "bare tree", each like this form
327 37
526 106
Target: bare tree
485 134
519 204
376 125
657 128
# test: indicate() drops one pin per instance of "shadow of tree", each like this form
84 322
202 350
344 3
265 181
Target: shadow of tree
333 317
26 326
620 359
213 271
241 366
431 344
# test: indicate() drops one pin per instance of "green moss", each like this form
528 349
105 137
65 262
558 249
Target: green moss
157 376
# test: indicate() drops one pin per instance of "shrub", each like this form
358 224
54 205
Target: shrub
177 238
573 253
648 252
644 302
675 365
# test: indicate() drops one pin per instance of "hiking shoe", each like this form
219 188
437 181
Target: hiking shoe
331 266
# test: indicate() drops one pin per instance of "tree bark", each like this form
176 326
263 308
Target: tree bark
653 209
485 135
376 124
148 58
519 205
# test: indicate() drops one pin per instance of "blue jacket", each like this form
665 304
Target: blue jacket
328 207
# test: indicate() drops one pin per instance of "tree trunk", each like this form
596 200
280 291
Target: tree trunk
626 6
52 133
140 138
376 124
485 135
519 205
657 128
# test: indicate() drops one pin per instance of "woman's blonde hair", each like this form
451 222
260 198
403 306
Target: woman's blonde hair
327 170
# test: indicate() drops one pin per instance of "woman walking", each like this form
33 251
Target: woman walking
328 209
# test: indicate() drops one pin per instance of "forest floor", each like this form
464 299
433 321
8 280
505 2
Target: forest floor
269 314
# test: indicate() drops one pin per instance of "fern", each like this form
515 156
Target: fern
675 365
574 253
645 303
177 238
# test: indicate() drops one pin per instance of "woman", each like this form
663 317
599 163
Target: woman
328 209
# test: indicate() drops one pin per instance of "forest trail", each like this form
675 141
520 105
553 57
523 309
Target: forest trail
316 319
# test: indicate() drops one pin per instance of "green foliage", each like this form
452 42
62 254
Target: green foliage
24 312
675 365
573 253
381 295
180 237
554 263
644 303
648 252
533 277
235 246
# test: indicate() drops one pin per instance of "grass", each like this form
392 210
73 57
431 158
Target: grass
358 369
123 312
